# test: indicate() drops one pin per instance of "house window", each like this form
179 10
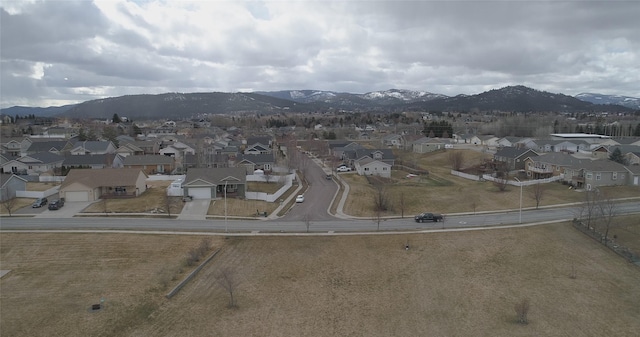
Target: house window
384 168
614 176
622 176
598 176
366 169
589 176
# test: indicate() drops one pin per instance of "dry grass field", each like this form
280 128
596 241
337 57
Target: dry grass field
446 284
444 193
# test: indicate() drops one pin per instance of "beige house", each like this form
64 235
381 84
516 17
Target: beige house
91 185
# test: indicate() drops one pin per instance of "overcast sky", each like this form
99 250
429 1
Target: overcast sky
60 52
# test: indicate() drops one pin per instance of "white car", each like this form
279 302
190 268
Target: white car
343 169
300 198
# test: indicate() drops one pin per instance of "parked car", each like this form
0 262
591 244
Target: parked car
39 202
343 168
422 217
56 204
300 198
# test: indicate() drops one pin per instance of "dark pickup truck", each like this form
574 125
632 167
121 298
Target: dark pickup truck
422 217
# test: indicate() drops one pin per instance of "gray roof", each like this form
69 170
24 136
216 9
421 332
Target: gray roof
147 160
514 152
47 146
91 159
603 165
559 158
216 175
46 157
256 158
93 145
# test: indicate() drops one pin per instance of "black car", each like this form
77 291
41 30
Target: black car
39 202
422 217
56 204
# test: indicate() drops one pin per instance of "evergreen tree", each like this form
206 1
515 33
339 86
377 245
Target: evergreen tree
636 132
616 156
116 119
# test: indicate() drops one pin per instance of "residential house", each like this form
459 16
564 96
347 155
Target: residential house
37 163
604 152
595 173
393 140
508 141
368 166
634 175
92 147
550 164
337 148
53 146
632 158
92 185
252 162
129 149
9 184
572 146
425 145
258 145
511 158
150 164
489 140
384 155
11 147
215 183
92 161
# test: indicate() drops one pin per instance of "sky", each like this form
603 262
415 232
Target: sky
61 52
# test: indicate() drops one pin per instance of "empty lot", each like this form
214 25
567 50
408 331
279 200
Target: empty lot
446 284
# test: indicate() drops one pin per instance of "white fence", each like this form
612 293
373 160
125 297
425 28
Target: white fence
175 189
510 182
51 179
466 175
287 183
37 194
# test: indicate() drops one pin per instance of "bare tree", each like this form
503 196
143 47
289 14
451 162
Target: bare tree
402 204
474 205
228 280
456 159
105 207
522 310
268 176
307 221
10 205
537 193
607 210
589 206
168 203
380 199
377 218
502 181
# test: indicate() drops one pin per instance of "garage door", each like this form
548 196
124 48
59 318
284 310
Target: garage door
200 193
76 196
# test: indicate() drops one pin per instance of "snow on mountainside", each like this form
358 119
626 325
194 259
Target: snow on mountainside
403 95
629 102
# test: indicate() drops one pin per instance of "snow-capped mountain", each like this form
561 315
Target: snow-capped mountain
629 102
402 95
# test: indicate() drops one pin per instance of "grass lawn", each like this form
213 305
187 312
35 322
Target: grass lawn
446 284
154 199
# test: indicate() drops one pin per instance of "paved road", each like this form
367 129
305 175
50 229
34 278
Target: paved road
317 198
333 225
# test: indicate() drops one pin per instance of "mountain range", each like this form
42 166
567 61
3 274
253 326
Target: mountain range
188 105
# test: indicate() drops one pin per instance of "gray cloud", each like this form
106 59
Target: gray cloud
56 52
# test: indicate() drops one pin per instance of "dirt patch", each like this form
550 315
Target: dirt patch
446 284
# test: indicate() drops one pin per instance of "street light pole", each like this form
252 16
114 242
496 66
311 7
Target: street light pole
226 229
518 180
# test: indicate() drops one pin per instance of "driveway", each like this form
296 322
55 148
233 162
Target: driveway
195 210
69 210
